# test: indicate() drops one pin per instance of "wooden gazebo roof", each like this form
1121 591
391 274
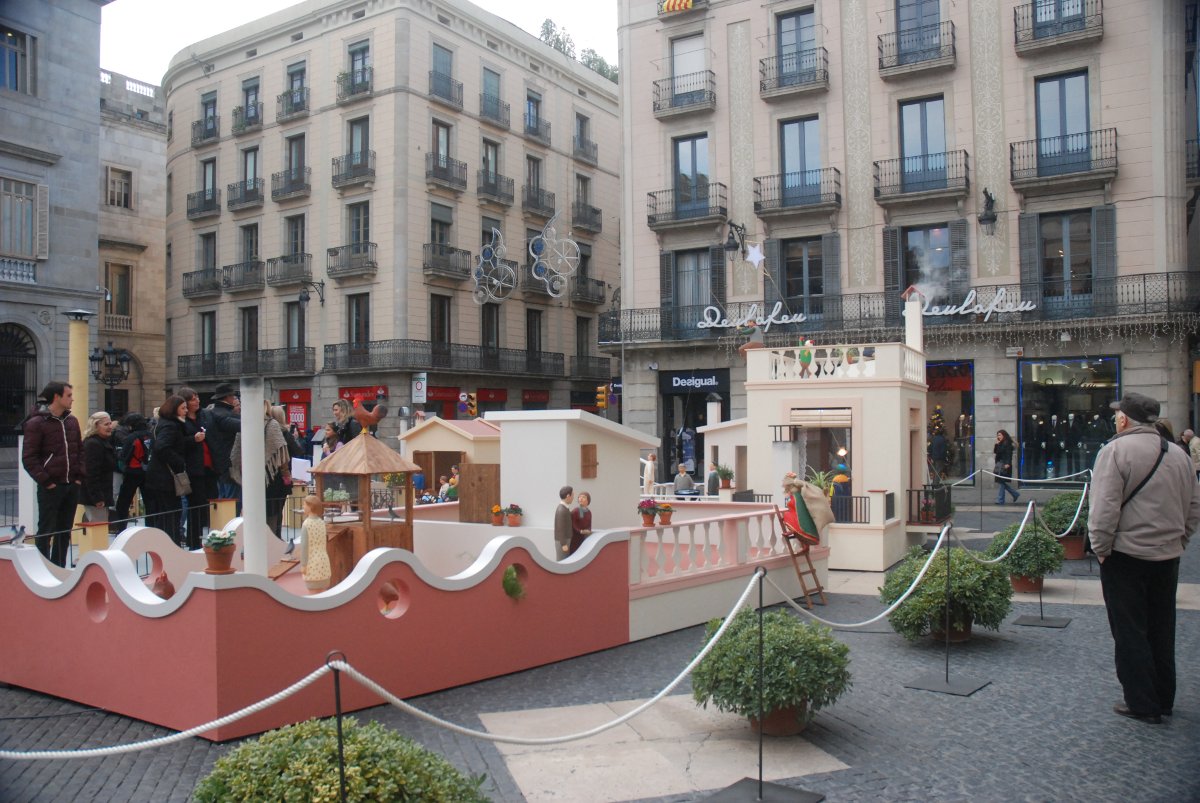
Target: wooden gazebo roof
365 455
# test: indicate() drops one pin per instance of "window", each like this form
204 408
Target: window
116 402
533 172
358 319
795 43
295 157
693 281
250 102
208 333
249 165
688 81
803 278
585 262
589 461
118 280
1062 122
296 75
208 179
491 159
922 145
208 114
441 79
441 143
18 218
1065 416
170 125
120 188
490 101
583 189
489 335
293 318
443 61
360 61
583 129
358 222
486 226
917 30
293 228
800 161
1055 17
439 329
170 192
530 236
926 253
208 251
441 218
249 333
250 242
15 49
583 337
691 176
170 264
533 111
360 141
533 330
1066 249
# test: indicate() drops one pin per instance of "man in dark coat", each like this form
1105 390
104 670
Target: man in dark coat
222 423
562 522
53 456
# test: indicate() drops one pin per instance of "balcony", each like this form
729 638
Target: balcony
585 150
1192 159
591 368
493 110
440 259
442 171
289 269
793 194
422 355
792 74
1087 160
244 194
669 209
18 271
291 104
294 182
247 118
495 187
116 323
537 129
348 261
267 362
354 168
201 283
1040 25
204 203
929 504
587 291
537 287
930 47
537 201
685 94
586 217
912 179
445 89
666 7
355 84
206 131
243 276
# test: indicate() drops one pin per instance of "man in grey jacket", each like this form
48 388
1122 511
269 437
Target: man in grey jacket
1144 505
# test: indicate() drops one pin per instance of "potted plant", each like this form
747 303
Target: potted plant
1036 554
979 593
218 552
1058 514
804 668
665 511
514 513
497 516
821 479
725 474
647 508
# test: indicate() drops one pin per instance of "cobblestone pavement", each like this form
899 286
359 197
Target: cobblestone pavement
1042 729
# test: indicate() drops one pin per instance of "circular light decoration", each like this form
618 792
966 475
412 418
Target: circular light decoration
495 279
554 259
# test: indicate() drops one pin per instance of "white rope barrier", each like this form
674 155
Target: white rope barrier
967 478
1083 495
1020 531
1024 481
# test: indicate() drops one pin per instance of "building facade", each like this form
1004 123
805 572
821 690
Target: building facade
1029 167
132 200
334 171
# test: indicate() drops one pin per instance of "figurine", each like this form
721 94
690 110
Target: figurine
314 560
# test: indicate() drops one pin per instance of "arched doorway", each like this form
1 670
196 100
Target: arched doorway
18 379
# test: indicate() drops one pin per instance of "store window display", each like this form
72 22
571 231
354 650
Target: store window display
1064 414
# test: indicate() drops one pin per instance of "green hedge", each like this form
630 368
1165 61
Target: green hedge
1058 512
978 592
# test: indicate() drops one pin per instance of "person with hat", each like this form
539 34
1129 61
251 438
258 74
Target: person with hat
1144 505
222 423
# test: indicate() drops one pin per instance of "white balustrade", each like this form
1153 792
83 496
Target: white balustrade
696 546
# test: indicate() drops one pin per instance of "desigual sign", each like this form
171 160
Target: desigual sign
716 379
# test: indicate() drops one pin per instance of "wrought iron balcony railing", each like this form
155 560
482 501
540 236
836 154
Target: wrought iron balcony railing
295 182
537 200
529 282
587 290
927 172
797 71
691 92
354 259
1085 152
923 47
291 104
446 172
243 276
354 168
929 504
444 88
204 282
266 362
289 269
206 131
537 128
586 217
705 200
244 194
784 192
583 148
1051 24
203 203
355 84
495 187
247 118
423 355
440 259
584 367
494 110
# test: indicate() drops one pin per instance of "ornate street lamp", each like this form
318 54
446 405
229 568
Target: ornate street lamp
110 365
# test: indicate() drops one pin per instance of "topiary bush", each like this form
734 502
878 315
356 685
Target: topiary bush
298 764
1037 554
979 593
1058 512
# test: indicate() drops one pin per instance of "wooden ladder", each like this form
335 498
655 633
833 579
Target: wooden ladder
798 543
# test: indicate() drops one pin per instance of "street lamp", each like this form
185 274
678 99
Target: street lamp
318 286
737 239
987 218
110 365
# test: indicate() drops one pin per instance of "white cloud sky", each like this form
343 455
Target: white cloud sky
138 38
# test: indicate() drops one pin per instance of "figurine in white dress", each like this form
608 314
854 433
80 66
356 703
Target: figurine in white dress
314 559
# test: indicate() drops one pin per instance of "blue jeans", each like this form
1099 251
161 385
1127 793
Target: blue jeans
1001 487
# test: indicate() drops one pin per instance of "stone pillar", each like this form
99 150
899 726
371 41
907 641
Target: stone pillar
254 478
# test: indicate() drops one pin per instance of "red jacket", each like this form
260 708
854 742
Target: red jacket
53 452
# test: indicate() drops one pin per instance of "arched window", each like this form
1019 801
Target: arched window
18 379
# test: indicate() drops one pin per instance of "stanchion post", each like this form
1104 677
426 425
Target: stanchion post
762 573
947 630
337 707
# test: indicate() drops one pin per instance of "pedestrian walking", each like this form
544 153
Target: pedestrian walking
1003 467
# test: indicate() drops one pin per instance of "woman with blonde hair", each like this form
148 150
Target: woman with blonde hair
99 465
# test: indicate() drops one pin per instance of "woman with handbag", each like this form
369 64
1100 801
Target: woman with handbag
166 479
1003 451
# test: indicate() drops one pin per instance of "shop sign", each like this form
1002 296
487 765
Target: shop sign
443 394
970 306
492 394
713 318
298 414
535 396
420 384
712 380
363 393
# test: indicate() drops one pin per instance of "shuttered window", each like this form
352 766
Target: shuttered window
589 463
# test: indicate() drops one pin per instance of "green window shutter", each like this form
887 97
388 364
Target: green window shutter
960 260
1031 268
773 285
831 278
1104 259
666 289
891 276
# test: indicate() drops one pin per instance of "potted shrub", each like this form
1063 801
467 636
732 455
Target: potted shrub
300 762
979 593
804 668
665 511
218 552
647 508
1036 554
1057 516
725 474
514 513
497 516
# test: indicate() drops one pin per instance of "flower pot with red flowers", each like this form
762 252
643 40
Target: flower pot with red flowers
514 513
648 508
